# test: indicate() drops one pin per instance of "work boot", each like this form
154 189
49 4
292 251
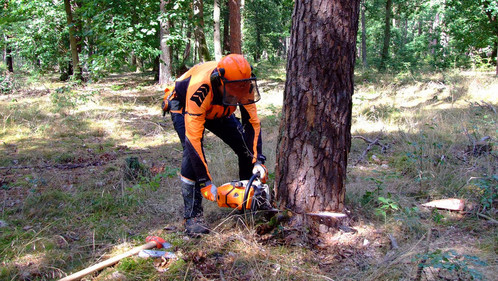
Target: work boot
196 226
192 200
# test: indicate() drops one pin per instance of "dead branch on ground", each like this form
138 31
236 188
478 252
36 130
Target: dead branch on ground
371 144
483 105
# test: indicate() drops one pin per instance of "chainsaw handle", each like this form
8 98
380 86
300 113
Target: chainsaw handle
248 190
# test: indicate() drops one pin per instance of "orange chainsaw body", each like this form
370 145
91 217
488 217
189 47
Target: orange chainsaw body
231 195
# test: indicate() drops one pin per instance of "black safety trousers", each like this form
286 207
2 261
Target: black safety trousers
230 131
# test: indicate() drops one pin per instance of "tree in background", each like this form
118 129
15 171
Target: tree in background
315 137
363 36
165 57
217 34
473 26
226 28
267 25
114 36
387 35
199 31
73 41
235 32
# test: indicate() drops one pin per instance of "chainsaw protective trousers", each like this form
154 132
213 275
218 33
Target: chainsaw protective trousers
192 200
230 131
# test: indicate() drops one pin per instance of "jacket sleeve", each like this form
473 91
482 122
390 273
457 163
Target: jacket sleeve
196 104
252 131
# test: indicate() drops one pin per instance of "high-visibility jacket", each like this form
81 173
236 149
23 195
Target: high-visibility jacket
193 96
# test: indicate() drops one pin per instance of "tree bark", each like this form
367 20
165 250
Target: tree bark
8 58
496 53
73 41
165 57
387 35
199 31
235 33
315 132
155 67
226 29
363 36
217 35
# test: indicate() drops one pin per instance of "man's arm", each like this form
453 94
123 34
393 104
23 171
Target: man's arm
252 129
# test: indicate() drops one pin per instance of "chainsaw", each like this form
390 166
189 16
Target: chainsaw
245 195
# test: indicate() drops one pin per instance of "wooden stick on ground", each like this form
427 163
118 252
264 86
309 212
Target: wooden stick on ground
78 275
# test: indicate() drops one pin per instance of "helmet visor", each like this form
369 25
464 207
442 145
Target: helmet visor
240 92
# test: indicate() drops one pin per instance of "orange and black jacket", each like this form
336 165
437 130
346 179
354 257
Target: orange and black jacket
193 96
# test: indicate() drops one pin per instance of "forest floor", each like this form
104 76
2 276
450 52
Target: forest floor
67 201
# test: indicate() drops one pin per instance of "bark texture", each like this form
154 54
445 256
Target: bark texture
387 35
226 28
363 36
217 33
73 41
8 59
165 57
315 133
199 31
235 33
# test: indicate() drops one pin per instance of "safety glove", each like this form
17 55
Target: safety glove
209 190
263 172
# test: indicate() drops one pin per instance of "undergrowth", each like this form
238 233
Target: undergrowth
69 202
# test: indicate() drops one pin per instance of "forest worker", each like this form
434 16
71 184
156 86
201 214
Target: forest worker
206 97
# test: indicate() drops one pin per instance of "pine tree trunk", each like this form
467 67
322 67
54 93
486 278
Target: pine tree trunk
165 57
156 67
495 51
363 36
199 31
8 58
235 33
226 29
315 132
73 41
188 49
217 35
387 35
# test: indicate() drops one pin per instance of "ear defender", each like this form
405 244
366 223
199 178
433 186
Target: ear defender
216 77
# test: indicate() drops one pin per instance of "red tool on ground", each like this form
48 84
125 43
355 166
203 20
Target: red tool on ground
152 242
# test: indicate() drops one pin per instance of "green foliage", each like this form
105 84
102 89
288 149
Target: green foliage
267 24
432 34
6 85
64 98
472 28
436 216
383 205
124 35
485 192
452 266
386 206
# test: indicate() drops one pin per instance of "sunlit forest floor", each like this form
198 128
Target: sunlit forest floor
68 200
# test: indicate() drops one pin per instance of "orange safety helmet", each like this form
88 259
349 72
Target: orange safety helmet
235 67
234 75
